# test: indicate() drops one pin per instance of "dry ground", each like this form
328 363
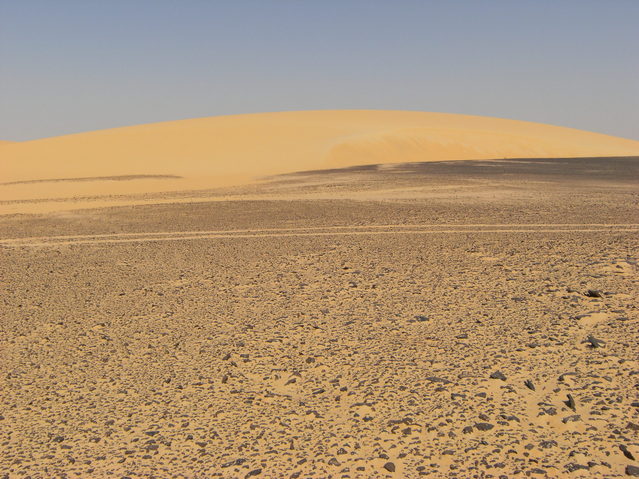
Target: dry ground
415 320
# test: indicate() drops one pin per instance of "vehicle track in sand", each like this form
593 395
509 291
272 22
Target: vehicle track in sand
155 236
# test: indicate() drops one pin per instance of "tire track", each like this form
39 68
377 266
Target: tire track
318 231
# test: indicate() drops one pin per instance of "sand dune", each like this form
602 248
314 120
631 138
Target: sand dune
227 150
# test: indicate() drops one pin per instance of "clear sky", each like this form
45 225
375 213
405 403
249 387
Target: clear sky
68 66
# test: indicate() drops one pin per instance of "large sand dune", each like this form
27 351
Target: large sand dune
227 150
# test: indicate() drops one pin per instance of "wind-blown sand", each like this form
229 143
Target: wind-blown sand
467 318
230 150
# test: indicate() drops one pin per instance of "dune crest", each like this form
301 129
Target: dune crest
227 150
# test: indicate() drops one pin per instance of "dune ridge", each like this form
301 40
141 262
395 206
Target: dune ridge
229 150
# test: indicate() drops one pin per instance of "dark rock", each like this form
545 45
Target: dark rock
434 379
632 471
570 402
389 466
422 319
626 452
498 375
594 342
467 429
547 444
593 293
529 384
484 426
333 461
574 418
572 467
254 472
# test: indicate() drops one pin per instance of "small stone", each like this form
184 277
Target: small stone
254 472
594 293
572 467
498 375
484 426
574 418
632 471
594 342
570 402
434 379
529 384
626 452
389 466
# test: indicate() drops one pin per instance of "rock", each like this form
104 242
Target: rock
389 466
593 293
594 342
574 418
434 379
254 472
529 384
632 471
341 451
333 461
570 402
572 467
422 319
538 470
484 426
547 444
632 426
498 375
467 429
626 452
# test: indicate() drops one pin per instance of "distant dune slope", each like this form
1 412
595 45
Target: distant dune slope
216 151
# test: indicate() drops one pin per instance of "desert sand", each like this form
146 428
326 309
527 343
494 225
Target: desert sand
322 294
232 150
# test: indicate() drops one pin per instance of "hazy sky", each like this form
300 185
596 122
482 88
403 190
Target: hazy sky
74 65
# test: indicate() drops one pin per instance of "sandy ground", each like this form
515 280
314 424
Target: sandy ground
454 319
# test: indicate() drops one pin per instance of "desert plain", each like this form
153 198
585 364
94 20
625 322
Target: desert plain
397 295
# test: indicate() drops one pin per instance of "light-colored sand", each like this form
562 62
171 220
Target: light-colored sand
229 150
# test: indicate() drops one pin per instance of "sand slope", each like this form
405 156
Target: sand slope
210 152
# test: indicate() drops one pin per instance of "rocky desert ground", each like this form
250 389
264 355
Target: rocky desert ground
468 319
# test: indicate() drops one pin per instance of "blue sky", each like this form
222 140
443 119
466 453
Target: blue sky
68 66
